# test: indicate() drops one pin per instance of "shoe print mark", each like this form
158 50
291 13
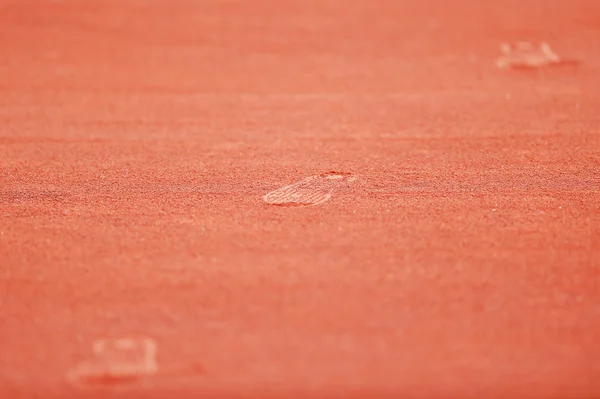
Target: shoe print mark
313 190
526 55
117 361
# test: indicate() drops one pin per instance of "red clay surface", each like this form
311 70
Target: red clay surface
138 138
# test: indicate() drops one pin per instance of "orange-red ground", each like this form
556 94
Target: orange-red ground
138 137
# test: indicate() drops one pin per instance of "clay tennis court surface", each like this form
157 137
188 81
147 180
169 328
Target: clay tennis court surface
458 252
